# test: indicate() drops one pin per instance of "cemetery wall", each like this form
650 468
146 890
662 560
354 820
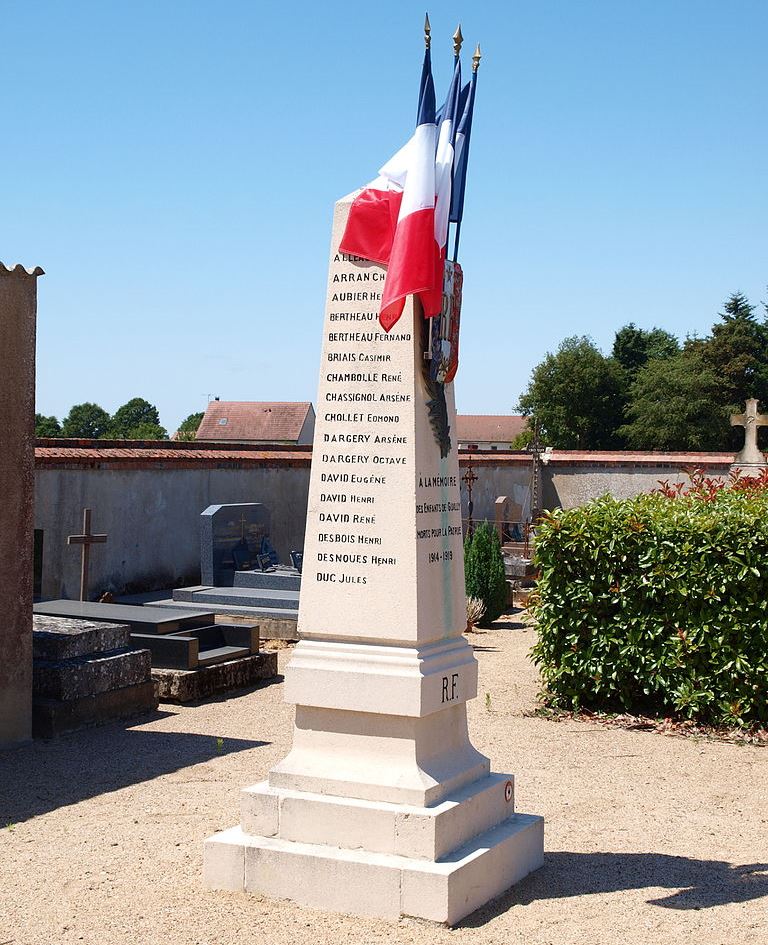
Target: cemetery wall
148 501
148 498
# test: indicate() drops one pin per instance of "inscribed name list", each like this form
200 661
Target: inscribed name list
383 545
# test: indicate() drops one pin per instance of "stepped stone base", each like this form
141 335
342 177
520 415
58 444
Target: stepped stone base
91 674
54 717
190 685
85 674
378 884
378 858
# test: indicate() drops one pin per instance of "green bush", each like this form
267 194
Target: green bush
484 575
657 604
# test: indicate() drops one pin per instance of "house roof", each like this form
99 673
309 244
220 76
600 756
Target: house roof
486 428
254 421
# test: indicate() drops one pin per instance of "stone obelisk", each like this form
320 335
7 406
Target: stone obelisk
383 806
18 312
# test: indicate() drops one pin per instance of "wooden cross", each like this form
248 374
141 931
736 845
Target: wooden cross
86 540
469 479
750 455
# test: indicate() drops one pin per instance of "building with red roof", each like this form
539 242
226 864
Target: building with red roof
230 421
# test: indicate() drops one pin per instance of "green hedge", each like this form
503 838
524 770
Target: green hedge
657 604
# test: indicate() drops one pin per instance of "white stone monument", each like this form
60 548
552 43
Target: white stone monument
383 806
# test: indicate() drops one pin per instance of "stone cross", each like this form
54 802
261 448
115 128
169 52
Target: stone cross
750 455
86 540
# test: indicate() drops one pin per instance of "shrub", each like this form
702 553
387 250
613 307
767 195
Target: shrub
475 612
484 570
658 603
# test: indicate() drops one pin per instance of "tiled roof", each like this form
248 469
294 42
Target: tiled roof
142 454
253 421
133 454
636 458
485 428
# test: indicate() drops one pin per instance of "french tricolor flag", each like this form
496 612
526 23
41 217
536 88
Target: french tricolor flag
392 221
443 182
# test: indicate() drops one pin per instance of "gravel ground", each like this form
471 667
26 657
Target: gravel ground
649 838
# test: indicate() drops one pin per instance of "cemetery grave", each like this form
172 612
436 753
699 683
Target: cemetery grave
241 573
86 673
193 656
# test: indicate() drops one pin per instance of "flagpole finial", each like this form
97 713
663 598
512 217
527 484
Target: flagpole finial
476 59
427 31
458 39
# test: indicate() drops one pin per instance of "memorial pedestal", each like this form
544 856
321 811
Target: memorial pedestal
383 806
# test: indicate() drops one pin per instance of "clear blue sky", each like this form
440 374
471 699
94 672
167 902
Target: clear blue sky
173 165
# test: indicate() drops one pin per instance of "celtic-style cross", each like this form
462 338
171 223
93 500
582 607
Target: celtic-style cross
750 455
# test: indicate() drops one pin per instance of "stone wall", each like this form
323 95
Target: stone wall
148 498
150 509
18 309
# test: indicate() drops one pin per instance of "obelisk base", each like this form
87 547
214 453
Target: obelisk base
375 858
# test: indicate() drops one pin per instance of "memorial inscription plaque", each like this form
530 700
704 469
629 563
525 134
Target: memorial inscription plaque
383 806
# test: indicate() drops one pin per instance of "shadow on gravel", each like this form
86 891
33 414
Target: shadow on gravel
46 775
697 884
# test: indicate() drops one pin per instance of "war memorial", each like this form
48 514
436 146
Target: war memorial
383 806
264 692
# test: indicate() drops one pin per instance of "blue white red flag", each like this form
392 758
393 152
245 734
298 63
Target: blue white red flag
443 178
392 221
461 148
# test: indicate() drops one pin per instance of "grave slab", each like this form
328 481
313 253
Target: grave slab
383 806
139 618
61 638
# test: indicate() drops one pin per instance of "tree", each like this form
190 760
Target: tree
46 426
85 421
484 574
675 405
737 352
523 438
137 420
578 396
188 428
147 431
633 347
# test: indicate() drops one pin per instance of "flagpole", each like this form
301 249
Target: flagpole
475 66
458 41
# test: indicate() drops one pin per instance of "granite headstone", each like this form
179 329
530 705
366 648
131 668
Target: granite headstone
231 538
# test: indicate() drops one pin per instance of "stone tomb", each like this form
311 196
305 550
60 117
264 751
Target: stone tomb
383 806
232 538
193 656
86 673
